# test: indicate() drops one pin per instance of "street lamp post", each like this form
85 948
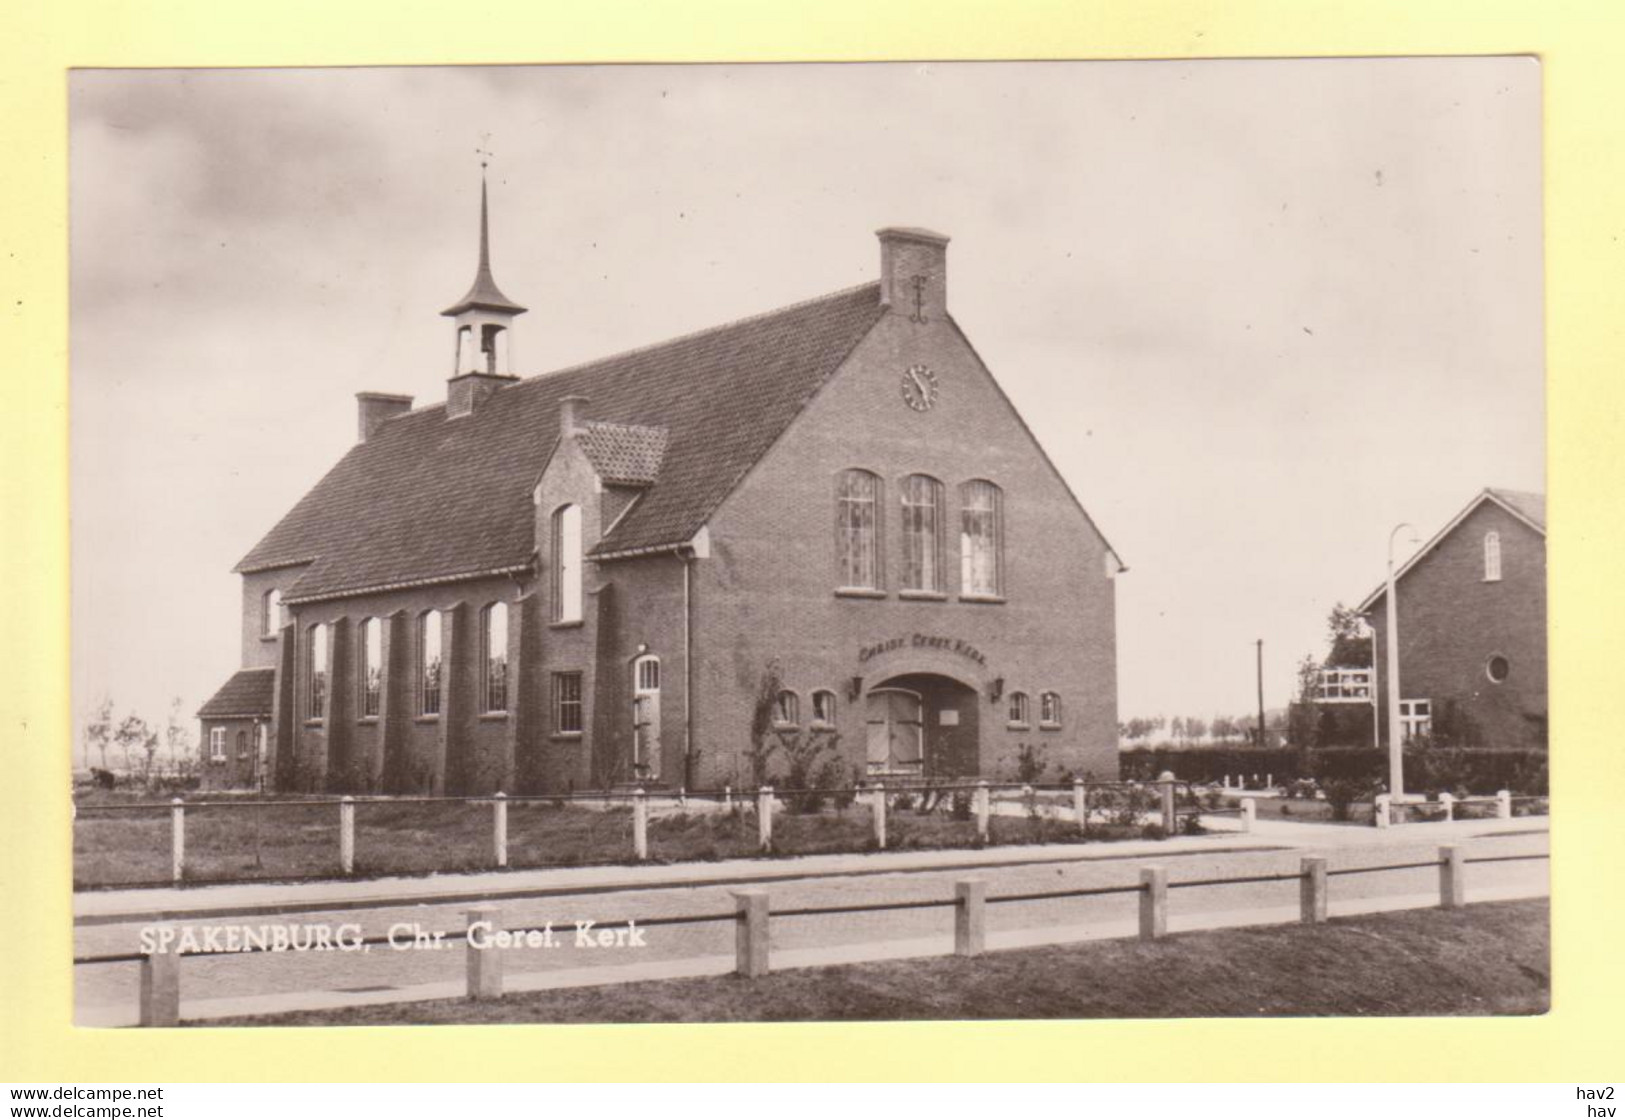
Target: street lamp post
1396 741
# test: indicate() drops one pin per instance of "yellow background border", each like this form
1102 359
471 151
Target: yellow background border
1579 44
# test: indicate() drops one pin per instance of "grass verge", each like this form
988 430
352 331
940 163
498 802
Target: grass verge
1487 959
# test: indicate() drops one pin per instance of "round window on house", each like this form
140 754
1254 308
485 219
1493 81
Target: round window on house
1497 668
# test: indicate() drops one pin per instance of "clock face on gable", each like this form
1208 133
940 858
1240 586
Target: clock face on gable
919 388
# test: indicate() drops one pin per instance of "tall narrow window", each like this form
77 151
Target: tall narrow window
922 533
566 703
981 546
823 708
372 667
567 564
1492 557
242 744
217 744
494 624
1049 709
857 530
1020 711
318 671
271 613
429 666
787 709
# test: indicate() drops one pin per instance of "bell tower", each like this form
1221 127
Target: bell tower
482 321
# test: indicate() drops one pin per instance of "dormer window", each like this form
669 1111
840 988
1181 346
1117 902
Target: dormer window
1492 557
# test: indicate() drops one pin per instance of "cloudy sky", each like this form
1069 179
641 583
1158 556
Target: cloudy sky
1258 312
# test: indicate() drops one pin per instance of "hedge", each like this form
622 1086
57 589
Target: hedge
1459 770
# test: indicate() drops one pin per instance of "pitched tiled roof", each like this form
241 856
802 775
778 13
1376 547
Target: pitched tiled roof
247 693
1531 505
428 499
624 454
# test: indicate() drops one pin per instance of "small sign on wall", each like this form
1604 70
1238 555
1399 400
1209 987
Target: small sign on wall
948 717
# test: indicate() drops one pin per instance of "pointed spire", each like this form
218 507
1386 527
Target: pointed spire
484 292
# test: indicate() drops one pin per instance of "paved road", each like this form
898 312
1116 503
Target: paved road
108 993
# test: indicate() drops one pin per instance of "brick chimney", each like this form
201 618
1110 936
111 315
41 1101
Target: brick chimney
572 416
372 409
914 272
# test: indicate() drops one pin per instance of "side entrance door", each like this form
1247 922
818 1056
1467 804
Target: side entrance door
646 719
896 727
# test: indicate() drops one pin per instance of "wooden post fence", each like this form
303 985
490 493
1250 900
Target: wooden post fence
970 917
1170 823
1312 890
640 825
1080 802
347 835
161 981
1448 803
499 829
1383 810
177 840
764 819
984 799
484 964
1503 805
1153 902
750 944
1249 814
1452 878
878 802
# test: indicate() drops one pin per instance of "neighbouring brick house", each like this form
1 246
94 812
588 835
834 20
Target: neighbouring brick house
1471 607
582 579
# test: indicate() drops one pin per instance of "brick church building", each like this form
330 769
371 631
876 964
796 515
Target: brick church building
826 521
1471 606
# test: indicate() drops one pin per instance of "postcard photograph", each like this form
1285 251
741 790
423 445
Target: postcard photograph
786 542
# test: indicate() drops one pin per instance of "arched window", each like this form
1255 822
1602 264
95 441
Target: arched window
646 674
372 667
567 564
981 545
271 613
494 679
1020 710
429 663
1492 556
787 709
922 533
823 713
1049 709
857 530
318 671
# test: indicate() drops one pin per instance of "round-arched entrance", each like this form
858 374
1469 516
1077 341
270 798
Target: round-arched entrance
922 725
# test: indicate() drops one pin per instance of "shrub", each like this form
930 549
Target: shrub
1342 793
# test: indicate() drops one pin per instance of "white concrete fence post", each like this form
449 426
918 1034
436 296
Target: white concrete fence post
878 802
161 981
1153 902
1312 890
1249 813
970 917
1384 813
177 840
499 829
1269 781
1080 802
484 963
751 944
1170 821
1452 878
764 818
984 800
640 824
727 797
347 834
1448 804
1503 805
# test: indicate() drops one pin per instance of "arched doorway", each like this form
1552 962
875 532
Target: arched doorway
923 725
